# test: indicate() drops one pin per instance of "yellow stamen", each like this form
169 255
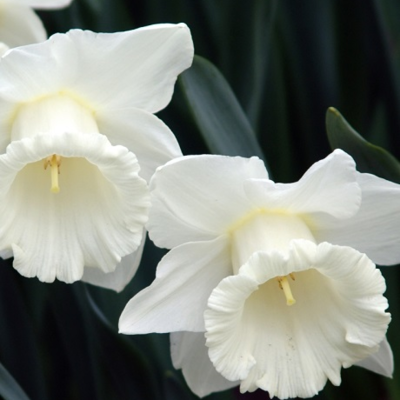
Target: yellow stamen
284 284
54 161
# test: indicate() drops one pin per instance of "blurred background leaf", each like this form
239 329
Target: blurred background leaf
9 388
368 157
217 113
267 72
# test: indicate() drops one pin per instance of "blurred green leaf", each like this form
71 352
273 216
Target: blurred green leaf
174 389
9 388
217 112
19 350
120 359
369 158
76 339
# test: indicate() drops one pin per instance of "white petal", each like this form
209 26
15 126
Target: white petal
45 4
375 229
39 4
38 70
266 231
144 134
3 49
52 115
97 217
135 68
380 362
20 25
177 298
339 318
99 67
199 197
329 186
189 353
123 274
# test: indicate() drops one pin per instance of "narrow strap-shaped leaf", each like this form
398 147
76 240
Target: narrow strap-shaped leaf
19 345
218 114
122 357
9 388
368 157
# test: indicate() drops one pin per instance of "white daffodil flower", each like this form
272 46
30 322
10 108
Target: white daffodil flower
69 198
276 281
19 24
97 216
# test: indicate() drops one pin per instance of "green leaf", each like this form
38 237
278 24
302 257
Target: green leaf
19 346
9 388
218 114
122 358
368 157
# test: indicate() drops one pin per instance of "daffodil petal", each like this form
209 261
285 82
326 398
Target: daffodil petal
96 219
123 274
20 25
329 186
375 229
43 4
189 353
144 134
98 68
177 298
338 319
199 197
38 70
146 60
380 362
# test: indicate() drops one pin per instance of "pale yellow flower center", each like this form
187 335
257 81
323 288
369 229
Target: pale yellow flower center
54 162
264 231
53 115
284 285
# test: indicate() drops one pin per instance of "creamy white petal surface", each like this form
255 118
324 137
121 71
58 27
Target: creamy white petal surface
375 228
177 298
123 273
42 4
132 69
95 219
199 197
153 142
338 319
380 362
19 25
329 186
189 353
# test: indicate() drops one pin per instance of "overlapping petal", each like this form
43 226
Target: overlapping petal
375 228
339 319
189 353
96 219
143 133
146 60
135 68
380 362
177 298
121 276
19 25
329 186
199 197
42 4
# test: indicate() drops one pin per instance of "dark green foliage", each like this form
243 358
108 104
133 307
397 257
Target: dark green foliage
265 75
